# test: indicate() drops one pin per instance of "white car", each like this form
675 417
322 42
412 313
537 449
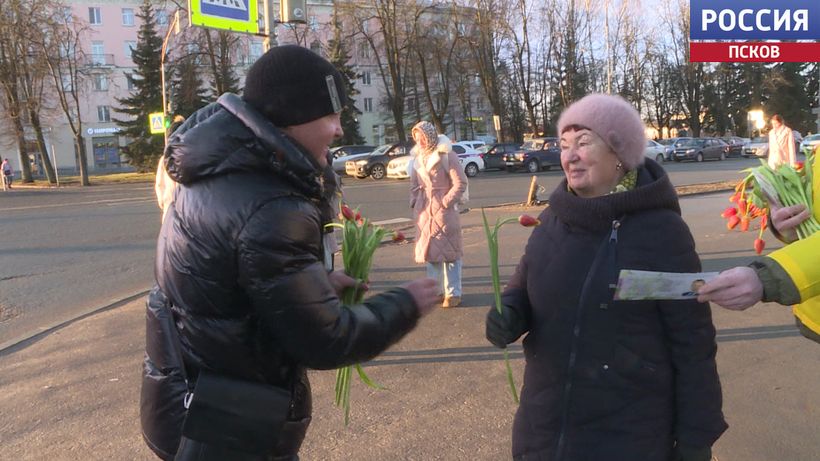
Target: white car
655 150
472 143
399 167
759 147
809 143
472 163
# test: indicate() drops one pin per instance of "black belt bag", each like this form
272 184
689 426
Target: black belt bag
240 415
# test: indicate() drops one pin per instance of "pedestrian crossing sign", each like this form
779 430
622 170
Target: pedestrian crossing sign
233 15
157 122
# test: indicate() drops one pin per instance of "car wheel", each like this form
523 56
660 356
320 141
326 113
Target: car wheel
378 172
699 158
659 158
532 166
723 156
471 170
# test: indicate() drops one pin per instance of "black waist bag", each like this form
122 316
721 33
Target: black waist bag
241 415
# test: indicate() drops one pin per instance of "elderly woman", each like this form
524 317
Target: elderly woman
609 380
437 184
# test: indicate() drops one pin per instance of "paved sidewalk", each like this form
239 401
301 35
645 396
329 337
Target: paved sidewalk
73 393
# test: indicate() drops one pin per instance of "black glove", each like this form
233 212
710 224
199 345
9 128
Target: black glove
687 453
505 327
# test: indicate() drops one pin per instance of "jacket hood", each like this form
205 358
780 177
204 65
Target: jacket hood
653 191
230 136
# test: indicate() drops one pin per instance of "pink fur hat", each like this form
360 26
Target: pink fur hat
614 120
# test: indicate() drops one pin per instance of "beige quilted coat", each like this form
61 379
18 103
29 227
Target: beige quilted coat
436 187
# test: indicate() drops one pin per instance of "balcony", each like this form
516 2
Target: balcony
99 60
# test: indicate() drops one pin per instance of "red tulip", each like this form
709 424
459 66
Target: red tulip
730 211
733 222
798 166
764 222
760 244
398 237
358 216
348 213
744 224
528 221
742 205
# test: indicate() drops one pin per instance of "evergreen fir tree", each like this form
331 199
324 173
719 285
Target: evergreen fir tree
788 96
189 94
339 57
145 148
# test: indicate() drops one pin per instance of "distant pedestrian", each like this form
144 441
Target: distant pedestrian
8 174
781 144
437 184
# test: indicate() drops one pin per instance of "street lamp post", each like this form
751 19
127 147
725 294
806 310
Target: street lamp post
173 27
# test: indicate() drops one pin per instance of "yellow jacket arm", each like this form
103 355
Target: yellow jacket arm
801 261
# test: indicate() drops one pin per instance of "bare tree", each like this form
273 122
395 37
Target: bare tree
691 75
524 61
62 46
486 37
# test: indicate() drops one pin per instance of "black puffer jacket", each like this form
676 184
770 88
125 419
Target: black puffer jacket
612 380
239 257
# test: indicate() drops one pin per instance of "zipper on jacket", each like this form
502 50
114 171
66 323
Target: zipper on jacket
576 332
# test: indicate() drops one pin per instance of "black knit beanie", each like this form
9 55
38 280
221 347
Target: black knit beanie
291 85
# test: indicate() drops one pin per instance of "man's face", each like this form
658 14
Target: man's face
317 135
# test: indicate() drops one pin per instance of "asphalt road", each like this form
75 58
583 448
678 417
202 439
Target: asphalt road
65 252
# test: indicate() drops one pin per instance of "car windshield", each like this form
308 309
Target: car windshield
483 149
763 140
665 142
533 144
381 149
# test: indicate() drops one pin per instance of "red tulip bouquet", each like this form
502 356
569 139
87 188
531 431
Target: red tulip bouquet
492 243
359 242
763 187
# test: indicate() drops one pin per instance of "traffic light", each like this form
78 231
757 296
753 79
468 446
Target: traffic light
292 11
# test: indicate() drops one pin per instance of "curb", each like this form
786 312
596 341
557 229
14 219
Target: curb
14 345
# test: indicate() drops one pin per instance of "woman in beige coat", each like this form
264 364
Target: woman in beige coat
437 185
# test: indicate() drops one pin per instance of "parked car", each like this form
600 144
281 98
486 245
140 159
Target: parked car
494 154
700 149
375 164
352 164
535 155
736 145
655 150
671 144
342 154
472 143
759 147
399 167
471 162
809 143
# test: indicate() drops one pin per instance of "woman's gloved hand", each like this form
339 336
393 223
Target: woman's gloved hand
686 453
505 327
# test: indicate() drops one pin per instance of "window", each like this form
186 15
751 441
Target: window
67 86
313 23
129 81
94 16
97 53
128 16
368 104
103 113
128 47
68 15
364 50
365 78
100 82
255 51
162 17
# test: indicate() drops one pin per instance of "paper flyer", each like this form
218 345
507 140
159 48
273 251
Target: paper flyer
636 285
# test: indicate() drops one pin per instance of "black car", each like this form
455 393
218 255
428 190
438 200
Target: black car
494 157
736 145
535 155
700 149
375 164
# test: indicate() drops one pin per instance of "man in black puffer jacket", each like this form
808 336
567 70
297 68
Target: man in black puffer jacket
239 264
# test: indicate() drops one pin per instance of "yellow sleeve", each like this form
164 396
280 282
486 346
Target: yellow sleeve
801 260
